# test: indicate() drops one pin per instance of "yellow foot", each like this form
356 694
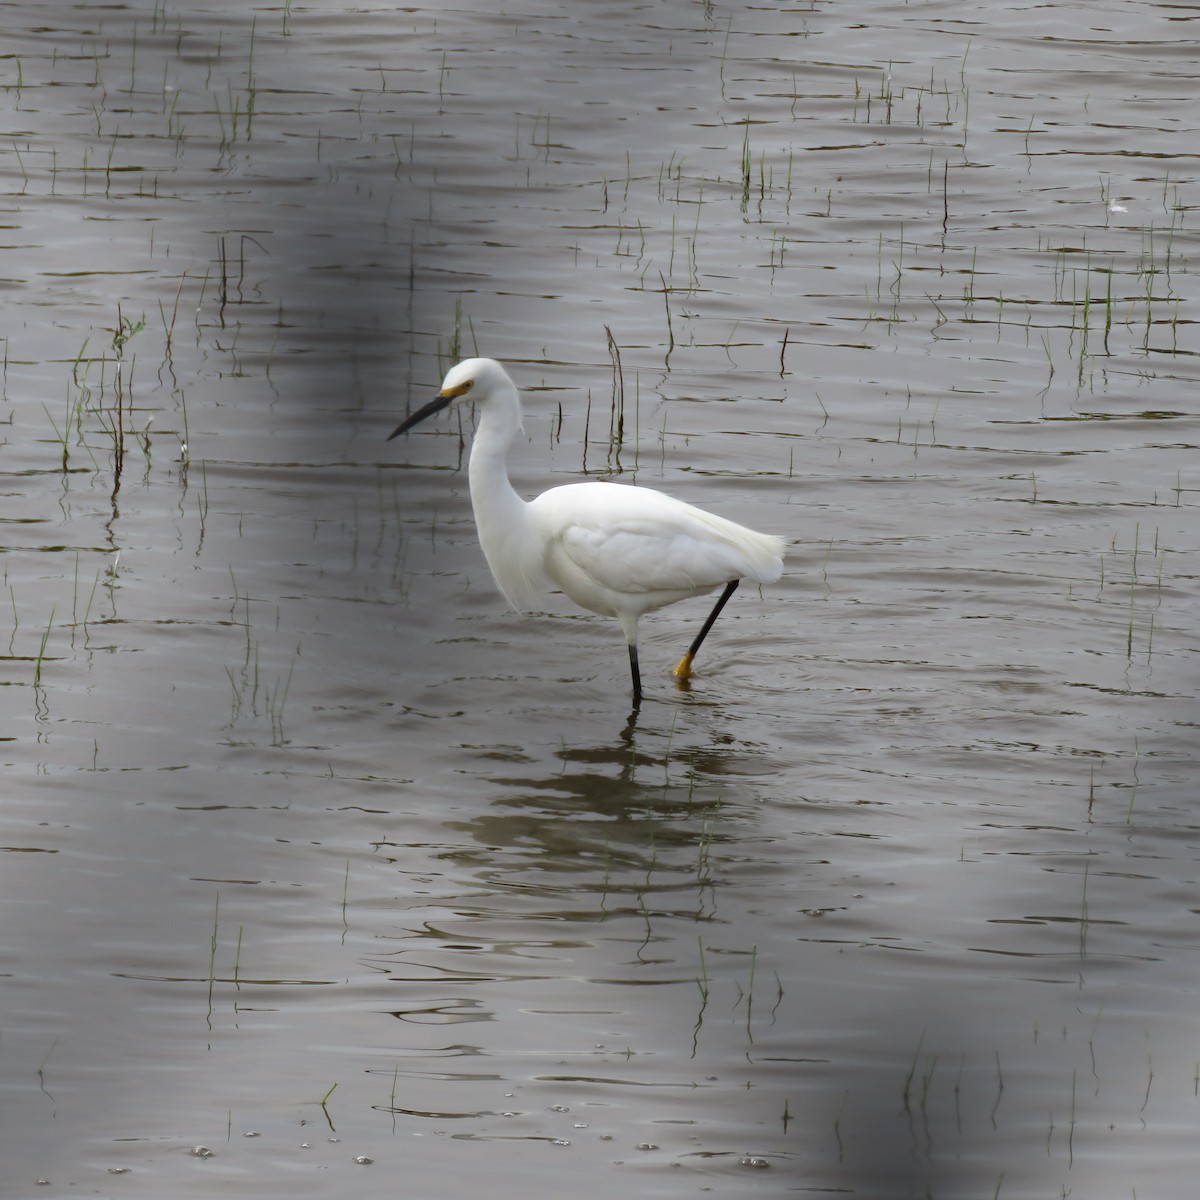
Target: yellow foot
683 668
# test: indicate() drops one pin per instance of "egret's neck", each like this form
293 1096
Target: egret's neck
501 516
492 496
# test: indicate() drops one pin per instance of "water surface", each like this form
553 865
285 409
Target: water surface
314 854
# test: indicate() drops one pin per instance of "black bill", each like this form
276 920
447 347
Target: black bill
435 405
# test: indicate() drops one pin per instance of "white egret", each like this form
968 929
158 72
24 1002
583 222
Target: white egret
614 549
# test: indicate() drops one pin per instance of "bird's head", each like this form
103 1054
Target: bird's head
476 379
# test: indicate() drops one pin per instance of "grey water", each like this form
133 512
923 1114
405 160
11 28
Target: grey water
323 874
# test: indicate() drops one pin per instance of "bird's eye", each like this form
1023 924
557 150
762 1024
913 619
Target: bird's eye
468 385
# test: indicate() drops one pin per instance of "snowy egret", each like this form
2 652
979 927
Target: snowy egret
614 549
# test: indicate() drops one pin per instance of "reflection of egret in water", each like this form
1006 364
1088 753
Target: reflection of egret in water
602 862
613 818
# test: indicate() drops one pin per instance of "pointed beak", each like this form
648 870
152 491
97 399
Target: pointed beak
440 401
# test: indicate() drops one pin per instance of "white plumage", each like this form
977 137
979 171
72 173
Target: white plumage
616 550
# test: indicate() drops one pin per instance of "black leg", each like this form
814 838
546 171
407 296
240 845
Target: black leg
637 675
684 667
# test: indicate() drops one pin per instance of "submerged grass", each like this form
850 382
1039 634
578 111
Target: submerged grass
41 653
212 953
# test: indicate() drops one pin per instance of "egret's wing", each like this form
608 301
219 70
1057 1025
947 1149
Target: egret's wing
635 540
644 557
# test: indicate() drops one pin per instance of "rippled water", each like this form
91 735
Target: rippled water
314 854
